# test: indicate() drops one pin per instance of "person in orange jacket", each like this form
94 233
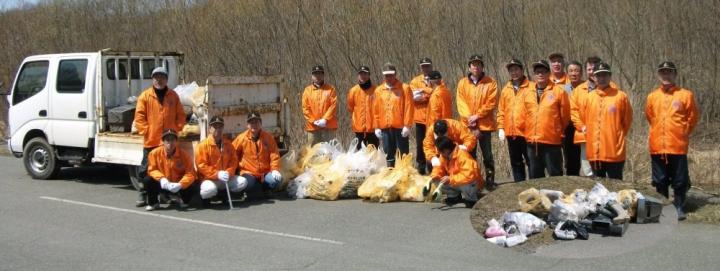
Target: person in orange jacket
439 107
607 123
578 99
158 109
421 89
458 174
393 111
319 106
558 76
547 113
360 101
571 151
510 118
217 163
170 171
452 129
673 115
476 103
259 155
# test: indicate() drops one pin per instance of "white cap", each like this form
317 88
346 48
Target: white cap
388 72
160 70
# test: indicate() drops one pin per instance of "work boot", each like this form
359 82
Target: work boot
450 201
469 203
152 207
679 202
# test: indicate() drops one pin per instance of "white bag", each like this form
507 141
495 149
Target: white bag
526 223
561 212
297 188
185 92
564 234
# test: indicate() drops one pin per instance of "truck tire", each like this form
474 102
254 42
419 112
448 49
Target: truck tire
133 172
40 160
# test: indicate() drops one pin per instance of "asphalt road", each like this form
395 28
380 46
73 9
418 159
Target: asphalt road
86 220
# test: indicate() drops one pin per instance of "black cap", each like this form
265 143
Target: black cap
217 120
364 69
434 75
389 68
555 55
168 133
541 63
474 58
602 67
667 65
425 61
318 69
440 127
253 115
514 62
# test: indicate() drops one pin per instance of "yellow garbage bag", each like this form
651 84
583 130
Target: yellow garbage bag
532 201
326 183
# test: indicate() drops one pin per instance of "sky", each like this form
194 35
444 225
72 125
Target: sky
11 4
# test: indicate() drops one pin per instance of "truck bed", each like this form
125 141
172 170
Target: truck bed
127 148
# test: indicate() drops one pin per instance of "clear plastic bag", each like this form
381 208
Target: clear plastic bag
526 223
288 163
561 212
297 188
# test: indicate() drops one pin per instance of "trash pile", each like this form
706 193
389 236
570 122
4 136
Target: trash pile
574 215
403 182
327 172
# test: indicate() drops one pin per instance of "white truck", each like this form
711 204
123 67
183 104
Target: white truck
59 106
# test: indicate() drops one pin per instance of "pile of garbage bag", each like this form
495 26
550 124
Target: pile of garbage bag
401 183
572 216
327 172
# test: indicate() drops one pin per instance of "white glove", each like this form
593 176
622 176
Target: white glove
223 176
164 183
405 132
417 95
583 130
276 175
378 133
435 162
501 134
462 147
321 123
174 187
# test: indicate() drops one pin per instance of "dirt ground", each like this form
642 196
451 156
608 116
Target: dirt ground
504 199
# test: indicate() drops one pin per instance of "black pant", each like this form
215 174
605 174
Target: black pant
152 188
367 139
393 140
517 147
142 173
542 157
485 146
607 169
421 163
670 171
571 152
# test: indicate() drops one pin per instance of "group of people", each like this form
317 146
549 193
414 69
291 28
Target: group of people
556 122
250 161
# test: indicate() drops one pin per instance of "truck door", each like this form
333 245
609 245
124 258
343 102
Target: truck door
29 102
71 117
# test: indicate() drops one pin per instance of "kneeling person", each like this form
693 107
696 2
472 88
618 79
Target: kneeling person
217 163
171 172
458 173
258 154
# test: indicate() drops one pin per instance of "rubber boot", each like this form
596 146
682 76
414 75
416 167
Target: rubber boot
490 180
663 190
679 202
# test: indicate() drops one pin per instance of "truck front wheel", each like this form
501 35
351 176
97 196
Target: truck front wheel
134 173
40 160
